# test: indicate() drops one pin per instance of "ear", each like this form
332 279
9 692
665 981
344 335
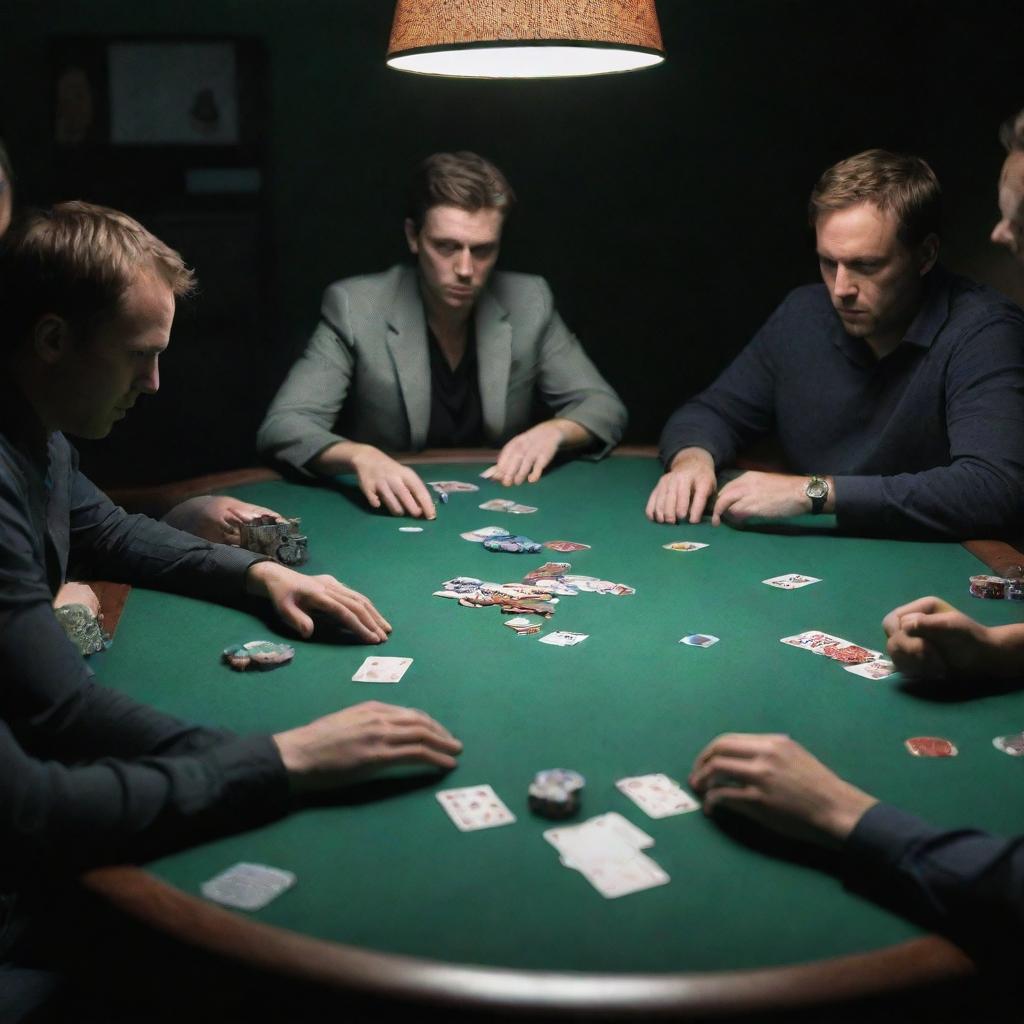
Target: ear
412 236
51 338
928 254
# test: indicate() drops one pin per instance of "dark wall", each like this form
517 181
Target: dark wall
665 207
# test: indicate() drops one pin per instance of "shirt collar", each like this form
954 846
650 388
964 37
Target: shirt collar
923 330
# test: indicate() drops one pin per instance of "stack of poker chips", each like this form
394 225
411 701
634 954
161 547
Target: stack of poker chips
280 540
1009 586
556 792
261 654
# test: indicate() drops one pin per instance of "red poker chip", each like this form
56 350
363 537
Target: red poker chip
930 746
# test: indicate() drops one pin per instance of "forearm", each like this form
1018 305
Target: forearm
968 499
341 457
58 818
50 700
968 884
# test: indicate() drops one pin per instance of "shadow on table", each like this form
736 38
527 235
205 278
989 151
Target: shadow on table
958 690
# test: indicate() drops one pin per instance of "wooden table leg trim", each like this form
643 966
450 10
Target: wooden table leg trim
908 966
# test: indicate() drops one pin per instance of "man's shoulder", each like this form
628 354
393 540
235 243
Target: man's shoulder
970 301
369 287
521 293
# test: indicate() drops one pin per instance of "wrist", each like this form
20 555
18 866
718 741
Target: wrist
692 454
1003 648
259 576
840 815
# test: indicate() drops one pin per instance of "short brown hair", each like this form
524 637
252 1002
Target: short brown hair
904 184
76 260
1011 133
461 179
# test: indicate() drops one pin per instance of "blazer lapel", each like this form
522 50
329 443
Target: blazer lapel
407 343
494 360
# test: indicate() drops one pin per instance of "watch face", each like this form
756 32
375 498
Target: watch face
817 489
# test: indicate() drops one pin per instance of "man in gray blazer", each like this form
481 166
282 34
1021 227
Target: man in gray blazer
442 354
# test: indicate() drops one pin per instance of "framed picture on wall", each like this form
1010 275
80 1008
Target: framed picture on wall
157 91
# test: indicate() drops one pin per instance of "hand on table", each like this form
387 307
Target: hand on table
527 455
387 482
78 593
930 638
345 746
768 495
296 597
776 782
217 518
683 492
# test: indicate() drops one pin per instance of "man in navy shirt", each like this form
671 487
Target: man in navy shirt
895 389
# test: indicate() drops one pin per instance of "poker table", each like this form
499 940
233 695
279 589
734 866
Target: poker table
392 899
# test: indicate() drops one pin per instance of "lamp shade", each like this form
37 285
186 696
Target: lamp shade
524 38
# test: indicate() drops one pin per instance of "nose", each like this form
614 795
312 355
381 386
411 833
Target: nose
845 287
1002 235
149 382
464 263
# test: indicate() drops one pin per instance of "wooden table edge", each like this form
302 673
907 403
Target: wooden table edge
910 965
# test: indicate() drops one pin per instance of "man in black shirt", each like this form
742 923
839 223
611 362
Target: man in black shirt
87 776
895 389
449 353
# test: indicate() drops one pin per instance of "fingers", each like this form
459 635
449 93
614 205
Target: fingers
928 605
914 656
422 496
701 492
489 472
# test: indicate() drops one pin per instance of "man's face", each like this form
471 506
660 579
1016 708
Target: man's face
456 251
1010 229
873 277
5 204
102 376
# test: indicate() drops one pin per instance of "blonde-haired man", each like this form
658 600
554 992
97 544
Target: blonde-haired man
895 389
87 776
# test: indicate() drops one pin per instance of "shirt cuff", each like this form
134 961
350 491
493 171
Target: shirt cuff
880 840
254 782
858 501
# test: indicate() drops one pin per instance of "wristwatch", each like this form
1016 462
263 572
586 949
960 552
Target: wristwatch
817 491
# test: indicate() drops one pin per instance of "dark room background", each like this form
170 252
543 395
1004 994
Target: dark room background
666 207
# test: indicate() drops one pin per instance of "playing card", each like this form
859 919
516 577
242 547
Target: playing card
684 545
565 546
791 581
606 851
812 640
247 886
588 836
657 795
410 529
475 807
479 536
563 638
872 669
699 640
452 486
381 670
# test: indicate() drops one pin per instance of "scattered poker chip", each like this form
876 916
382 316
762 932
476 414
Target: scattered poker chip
555 793
992 587
565 546
1012 745
547 571
699 640
514 544
931 746
261 654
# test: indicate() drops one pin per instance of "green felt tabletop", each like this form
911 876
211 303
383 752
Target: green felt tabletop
394 874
